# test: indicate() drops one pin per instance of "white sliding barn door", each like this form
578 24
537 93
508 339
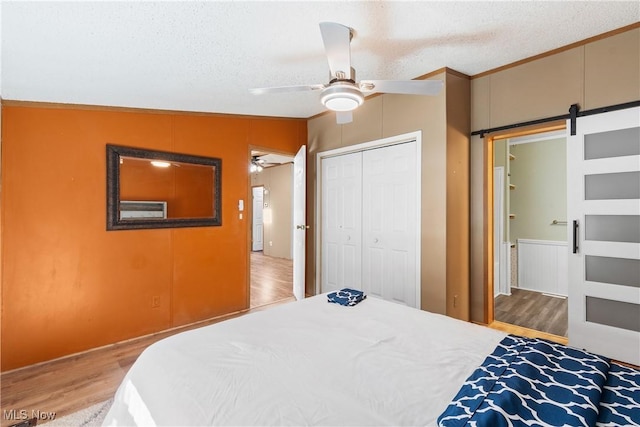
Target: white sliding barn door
341 222
390 223
603 189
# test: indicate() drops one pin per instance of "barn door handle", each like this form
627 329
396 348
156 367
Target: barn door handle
575 236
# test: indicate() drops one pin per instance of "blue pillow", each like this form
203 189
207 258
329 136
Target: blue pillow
346 296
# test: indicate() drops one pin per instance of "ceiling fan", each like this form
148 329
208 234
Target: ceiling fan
343 94
260 161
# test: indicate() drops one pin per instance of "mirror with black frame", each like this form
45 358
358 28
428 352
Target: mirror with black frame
159 189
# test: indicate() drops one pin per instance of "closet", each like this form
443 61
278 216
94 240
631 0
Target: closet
370 222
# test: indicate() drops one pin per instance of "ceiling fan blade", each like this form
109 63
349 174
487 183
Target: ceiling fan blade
337 38
343 117
283 89
409 87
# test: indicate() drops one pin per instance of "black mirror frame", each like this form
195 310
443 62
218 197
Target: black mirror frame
114 152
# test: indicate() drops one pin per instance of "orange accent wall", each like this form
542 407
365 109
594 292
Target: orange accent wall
69 285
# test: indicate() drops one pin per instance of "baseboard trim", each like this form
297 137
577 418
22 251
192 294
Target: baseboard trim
526 332
175 329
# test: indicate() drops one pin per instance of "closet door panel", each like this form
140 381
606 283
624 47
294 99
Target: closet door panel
399 280
341 224
389 220
373 276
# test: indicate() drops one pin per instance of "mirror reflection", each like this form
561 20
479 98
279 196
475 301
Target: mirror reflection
152 189
175 189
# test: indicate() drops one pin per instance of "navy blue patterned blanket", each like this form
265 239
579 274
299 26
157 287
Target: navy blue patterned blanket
620 401
533 382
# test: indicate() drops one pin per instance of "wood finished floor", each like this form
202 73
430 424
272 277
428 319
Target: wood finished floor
271 279
533 310
73 383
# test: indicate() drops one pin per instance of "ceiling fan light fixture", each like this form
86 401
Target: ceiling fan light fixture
341 97
256 164
255 168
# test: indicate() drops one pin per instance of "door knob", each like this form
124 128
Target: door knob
302 227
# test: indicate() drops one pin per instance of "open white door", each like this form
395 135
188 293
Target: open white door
299 221
257 226
603 194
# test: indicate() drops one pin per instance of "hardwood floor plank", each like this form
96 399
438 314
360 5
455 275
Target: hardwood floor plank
271 279
533 310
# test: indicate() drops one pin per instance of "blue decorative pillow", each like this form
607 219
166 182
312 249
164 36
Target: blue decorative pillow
346 296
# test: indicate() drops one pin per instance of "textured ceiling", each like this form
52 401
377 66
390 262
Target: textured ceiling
205 56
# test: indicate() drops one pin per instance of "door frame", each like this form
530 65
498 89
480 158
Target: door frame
379 143
499 235
488 201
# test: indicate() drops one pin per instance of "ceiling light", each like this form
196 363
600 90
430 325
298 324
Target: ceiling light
160 164
256 165
342 97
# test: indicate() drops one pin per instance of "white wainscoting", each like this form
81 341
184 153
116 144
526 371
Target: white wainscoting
542 266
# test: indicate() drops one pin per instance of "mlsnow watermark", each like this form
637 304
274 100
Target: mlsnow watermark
23 414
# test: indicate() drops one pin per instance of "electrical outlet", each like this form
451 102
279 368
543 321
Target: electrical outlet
155 301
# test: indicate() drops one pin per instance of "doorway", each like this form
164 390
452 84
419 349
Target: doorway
527 244
270 228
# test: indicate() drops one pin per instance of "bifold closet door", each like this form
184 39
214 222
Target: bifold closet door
341 222
390 223
603 179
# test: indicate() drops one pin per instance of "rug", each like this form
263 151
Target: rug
88 417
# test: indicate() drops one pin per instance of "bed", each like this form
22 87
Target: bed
316 363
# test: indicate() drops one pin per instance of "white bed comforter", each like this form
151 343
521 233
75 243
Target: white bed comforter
306 363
